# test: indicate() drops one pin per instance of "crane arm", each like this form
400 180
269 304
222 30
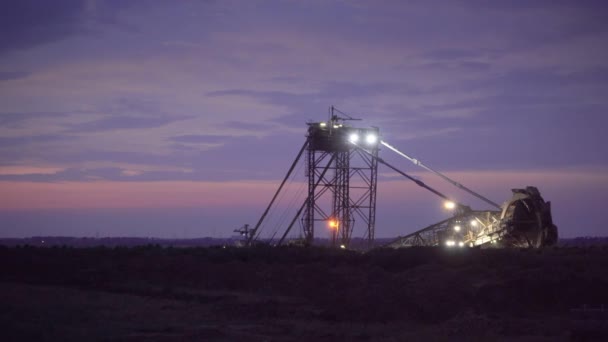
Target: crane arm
449 180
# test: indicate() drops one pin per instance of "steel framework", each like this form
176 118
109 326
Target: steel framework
342 170
347 193
468 221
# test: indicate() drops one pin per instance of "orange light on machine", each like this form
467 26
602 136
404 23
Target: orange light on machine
334 224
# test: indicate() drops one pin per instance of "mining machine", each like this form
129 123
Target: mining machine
342 162
524 220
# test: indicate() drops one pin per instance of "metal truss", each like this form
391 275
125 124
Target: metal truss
350 189
469 224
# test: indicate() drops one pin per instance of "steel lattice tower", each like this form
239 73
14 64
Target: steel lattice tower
342 180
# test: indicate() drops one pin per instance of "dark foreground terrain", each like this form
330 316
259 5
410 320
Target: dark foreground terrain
303 294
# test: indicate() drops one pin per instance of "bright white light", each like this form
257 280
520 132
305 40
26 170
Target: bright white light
342 247
336 126
457 228
354 138
460 244
450 243
323 124
371 139
474 223
449 205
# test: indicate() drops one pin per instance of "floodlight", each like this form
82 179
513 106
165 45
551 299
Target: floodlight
461 244
342 246
353 138
474 223
450 243
371 138
449 205
457 228
323 124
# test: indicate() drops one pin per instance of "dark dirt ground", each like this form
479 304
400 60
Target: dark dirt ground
303 294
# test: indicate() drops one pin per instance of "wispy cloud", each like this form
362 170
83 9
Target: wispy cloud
16 119
202 139
29 23
103 194
28 170
12 75
118 122
19 141
420 134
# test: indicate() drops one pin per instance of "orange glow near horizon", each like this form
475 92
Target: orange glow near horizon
110 194
255 193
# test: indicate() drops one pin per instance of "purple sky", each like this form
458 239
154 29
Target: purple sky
179 118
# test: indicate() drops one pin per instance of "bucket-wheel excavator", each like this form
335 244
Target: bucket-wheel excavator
522 221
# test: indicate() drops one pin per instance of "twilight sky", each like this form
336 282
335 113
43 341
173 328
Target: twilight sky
179 118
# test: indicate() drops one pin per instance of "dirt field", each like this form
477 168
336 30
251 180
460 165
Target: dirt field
303 294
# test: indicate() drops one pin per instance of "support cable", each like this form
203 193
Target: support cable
418 182
290 201
273 211
288 209
255 234
453 182
295 218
